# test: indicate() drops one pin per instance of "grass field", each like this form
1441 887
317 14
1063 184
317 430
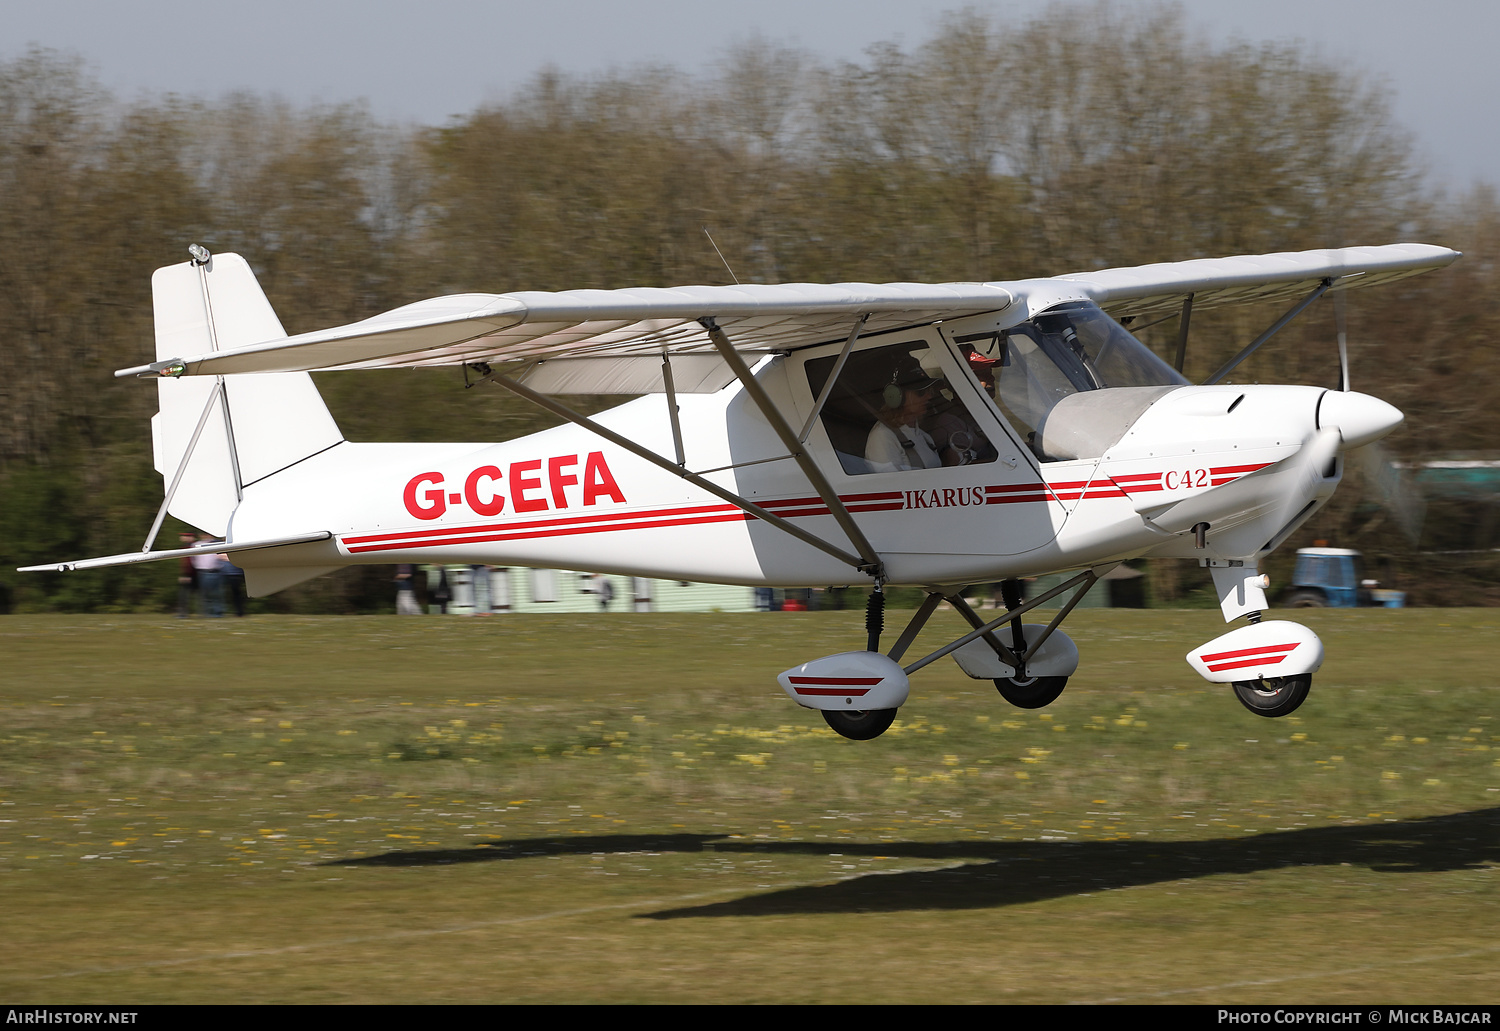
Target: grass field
626 808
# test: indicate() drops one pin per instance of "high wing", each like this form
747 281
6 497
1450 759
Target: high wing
614 324
1249 278
595 340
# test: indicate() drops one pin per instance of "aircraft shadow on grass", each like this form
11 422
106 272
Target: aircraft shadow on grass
529 848
991 874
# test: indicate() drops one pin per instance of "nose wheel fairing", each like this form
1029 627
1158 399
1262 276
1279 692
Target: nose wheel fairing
1275 648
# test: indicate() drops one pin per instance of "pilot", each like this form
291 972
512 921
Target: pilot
897 440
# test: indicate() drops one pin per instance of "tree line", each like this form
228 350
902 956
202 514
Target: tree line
1085 138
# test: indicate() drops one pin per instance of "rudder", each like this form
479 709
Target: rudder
257 425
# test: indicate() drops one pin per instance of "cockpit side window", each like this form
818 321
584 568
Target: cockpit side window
893 410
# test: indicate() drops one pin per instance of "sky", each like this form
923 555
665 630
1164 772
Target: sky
427 62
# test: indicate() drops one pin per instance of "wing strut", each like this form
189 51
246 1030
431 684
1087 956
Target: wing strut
833 377
871 563
1268 334
666 378
559 409
1182 332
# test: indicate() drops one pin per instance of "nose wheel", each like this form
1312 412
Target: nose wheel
859 725
1273 696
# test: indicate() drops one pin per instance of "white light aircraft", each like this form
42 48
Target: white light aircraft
796 435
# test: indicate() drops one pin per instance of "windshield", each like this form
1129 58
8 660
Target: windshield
1074 347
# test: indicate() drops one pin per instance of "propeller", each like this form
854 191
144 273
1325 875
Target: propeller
1383 477
1301 476
1338 314
1394 490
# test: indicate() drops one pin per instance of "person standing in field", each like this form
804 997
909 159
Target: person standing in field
187 579
406 591
206 570
232 580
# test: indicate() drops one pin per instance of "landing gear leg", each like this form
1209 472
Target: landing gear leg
837 675
1279 655
1010 594
864 724
1023 689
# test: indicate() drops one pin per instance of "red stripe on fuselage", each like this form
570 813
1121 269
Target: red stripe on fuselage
690 515
535 523
624 523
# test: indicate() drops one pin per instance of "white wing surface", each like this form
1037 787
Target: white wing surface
575 324
640 323
1218 282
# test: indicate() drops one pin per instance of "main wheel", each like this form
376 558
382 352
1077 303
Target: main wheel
859 724
1273 696
1030 692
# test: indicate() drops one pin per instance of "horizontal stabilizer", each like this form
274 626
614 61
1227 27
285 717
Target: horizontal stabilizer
212 547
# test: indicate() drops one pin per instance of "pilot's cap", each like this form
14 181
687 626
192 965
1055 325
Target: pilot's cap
911 376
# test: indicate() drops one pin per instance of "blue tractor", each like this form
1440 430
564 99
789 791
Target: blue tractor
1333 577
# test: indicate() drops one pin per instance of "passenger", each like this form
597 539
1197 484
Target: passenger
958 438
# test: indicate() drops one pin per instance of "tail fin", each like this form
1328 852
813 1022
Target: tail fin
252 426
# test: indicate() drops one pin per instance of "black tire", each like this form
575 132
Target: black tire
1031 693
859 724
1273 696
1306 599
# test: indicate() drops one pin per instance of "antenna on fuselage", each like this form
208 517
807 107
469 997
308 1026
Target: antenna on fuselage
721 256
